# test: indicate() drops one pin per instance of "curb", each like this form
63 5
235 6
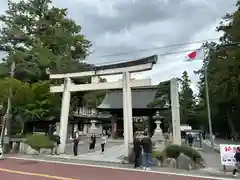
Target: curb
82 159
217 172
37 157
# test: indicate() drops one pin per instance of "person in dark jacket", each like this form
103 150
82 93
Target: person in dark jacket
237 157
146 143
190 139
92 142
76 138
137 150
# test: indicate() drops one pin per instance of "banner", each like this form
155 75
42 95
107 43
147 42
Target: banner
227 153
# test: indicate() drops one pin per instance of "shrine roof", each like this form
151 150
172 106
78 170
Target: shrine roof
141 98
145 60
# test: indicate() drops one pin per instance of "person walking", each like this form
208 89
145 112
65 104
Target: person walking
190 139
92 142
137 150
237 157
146 144
75 138
109 132
57 142
103 142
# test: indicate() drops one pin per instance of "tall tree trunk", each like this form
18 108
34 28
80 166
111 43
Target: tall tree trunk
231 125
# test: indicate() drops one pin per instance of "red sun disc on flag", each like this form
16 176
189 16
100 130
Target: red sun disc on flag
192 55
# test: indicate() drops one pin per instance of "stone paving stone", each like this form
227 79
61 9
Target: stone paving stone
111 155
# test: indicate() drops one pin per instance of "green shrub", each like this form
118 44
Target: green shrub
38 141
157 154
173 151
192 153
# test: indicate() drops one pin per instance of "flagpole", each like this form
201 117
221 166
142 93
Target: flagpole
208 101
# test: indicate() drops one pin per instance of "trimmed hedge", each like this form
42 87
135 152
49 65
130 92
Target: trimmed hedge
39 141
192 153
158 155
173 151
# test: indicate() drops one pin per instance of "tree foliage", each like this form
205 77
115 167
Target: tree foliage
162 96
186 97
29 101
36 36
222 63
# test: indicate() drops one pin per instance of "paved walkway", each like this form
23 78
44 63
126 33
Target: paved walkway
216 145
36 170
111 155
83 146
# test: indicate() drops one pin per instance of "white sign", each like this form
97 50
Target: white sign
227 153
185 127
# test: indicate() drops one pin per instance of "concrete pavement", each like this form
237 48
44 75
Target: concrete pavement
19 169
114 150
83 146
212 158
112 154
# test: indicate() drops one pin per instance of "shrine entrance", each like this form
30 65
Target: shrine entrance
125 84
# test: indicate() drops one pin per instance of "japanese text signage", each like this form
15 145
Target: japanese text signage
227 153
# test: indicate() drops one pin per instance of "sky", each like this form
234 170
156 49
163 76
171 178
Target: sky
130 29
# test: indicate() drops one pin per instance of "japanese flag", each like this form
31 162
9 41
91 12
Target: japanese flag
195 55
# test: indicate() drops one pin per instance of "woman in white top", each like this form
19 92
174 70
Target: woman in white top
103 142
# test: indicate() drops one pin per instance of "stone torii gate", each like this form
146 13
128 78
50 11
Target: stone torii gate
125 68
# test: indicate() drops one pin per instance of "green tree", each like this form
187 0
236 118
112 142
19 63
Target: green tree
37 36
162 95
162 102
222 62
187 100
29 101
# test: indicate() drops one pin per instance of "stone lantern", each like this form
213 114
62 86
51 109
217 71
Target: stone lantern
158 138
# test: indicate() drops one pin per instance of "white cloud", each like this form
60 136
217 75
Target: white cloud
129 26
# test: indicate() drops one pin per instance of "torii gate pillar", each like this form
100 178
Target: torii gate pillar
175 112
66 97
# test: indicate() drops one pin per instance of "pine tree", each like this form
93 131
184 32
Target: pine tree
186 99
